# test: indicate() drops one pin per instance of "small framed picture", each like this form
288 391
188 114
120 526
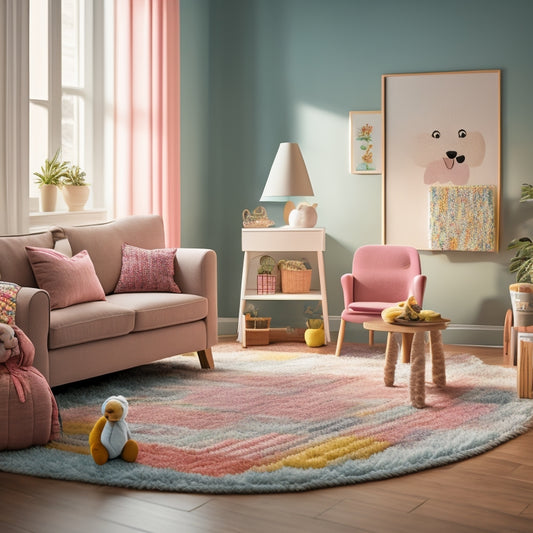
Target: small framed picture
365 142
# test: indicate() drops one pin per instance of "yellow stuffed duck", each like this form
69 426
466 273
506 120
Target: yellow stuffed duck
110 437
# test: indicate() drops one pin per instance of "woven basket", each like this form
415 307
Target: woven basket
257 322
295 281
266 284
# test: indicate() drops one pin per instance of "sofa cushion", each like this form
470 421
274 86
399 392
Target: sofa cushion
88 322
161 309
104 243
147 270
14 264
68 280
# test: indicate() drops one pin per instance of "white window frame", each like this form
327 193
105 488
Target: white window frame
98 109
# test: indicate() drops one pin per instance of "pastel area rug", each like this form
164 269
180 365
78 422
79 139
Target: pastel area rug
266 421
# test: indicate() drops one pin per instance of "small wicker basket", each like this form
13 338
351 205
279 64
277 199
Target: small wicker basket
295 281
266 284
256 322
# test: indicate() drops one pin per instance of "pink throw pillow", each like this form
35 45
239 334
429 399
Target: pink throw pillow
68 280
147 270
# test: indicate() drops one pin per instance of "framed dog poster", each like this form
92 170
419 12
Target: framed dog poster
441 168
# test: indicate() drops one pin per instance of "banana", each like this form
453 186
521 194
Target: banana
429 316
391 313
409 310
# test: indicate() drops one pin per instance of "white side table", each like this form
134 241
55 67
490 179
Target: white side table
283 242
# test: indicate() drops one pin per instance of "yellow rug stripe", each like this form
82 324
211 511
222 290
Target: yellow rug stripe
74 448
77 427
328 452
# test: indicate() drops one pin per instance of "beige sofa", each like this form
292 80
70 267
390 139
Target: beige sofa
126 329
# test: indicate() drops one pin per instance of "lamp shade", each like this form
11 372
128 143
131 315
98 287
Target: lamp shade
288 175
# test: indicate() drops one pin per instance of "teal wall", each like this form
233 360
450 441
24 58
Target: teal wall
259 72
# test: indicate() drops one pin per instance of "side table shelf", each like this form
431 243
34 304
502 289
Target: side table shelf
282 241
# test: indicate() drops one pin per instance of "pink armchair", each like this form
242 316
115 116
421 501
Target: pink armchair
382 276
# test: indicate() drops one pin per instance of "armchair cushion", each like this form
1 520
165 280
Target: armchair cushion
68 280
369 307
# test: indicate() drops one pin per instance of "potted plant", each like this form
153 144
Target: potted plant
75 188
522 263
49 179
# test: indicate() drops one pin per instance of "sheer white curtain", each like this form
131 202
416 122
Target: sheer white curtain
14 116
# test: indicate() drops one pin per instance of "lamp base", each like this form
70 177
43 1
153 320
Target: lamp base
304 216
289 206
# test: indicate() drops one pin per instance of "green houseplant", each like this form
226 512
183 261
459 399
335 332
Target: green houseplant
74 176
49 179
522 263
75 188
53 171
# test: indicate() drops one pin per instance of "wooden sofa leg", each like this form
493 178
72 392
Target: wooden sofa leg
340 337
206 358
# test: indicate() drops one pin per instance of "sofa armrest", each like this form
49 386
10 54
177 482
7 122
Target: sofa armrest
196 273
32 316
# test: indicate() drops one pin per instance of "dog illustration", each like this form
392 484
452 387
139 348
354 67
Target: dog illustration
447 154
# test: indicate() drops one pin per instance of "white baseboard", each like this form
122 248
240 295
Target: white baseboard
228 326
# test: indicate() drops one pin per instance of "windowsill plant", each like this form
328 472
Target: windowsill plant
49 179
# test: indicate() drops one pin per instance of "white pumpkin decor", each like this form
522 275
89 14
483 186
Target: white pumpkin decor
304 216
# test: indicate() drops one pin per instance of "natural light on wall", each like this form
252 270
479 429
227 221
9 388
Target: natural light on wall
57 114
39 97
73 68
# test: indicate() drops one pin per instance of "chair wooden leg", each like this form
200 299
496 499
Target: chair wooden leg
340 338
206 358
370 337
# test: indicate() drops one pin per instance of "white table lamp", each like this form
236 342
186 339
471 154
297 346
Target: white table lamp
288 178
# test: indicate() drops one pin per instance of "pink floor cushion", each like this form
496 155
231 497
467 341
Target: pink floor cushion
28 410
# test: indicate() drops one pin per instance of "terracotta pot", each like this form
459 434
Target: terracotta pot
47 198
76 196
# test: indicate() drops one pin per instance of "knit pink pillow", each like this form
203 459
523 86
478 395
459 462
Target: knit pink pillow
147 270
68 280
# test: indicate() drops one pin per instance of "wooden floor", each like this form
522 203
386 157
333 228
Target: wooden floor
491 492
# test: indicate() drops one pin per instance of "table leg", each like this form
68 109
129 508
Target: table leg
437 358
417 386
407 341
391 358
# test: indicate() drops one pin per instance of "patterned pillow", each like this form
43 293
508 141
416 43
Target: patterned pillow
68 280
147 270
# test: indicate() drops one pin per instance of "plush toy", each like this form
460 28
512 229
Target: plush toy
29 414
8 343
110 437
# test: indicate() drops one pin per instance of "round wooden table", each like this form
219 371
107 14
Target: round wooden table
415 332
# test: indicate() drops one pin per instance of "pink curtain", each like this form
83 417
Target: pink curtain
147 114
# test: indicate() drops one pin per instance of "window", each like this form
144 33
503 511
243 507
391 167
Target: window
70 95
